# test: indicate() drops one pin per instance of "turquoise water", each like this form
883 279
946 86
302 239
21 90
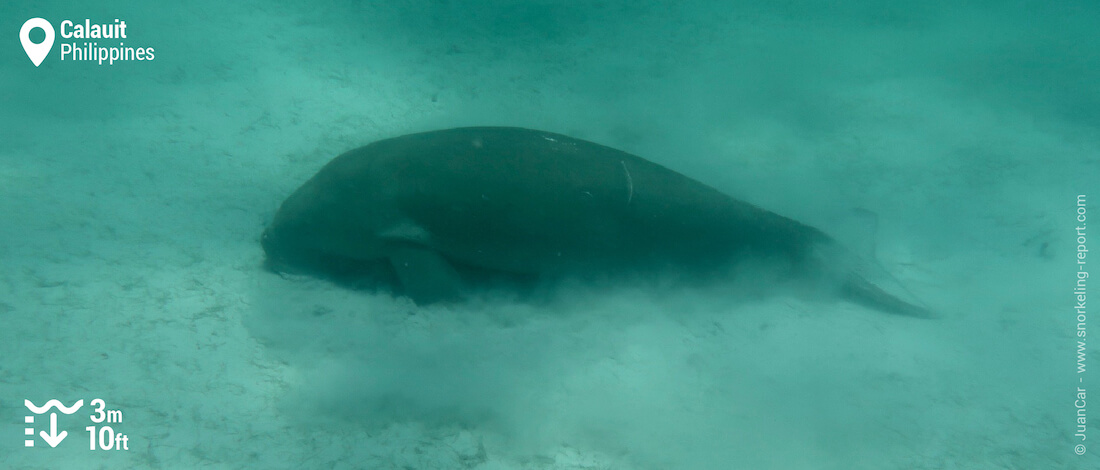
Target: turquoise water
133 195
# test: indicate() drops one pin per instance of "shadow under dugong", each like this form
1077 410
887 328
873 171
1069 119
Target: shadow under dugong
433 214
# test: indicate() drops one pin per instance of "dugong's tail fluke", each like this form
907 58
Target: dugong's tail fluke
865 282
858 290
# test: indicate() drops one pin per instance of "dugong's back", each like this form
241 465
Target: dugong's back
537 202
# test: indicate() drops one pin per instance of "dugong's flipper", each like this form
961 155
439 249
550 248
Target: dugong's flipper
424 275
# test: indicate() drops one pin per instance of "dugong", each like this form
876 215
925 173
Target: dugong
433 214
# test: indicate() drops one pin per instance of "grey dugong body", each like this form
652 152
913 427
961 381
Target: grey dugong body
433 212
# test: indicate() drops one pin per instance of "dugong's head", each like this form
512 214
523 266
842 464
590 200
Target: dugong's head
293 242
321 229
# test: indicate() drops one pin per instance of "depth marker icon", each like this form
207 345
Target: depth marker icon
53 438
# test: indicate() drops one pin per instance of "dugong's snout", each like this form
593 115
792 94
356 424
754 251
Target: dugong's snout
277 256
272 261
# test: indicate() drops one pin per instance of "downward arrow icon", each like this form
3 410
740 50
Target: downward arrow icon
53 438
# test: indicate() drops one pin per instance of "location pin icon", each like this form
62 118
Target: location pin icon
37 52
